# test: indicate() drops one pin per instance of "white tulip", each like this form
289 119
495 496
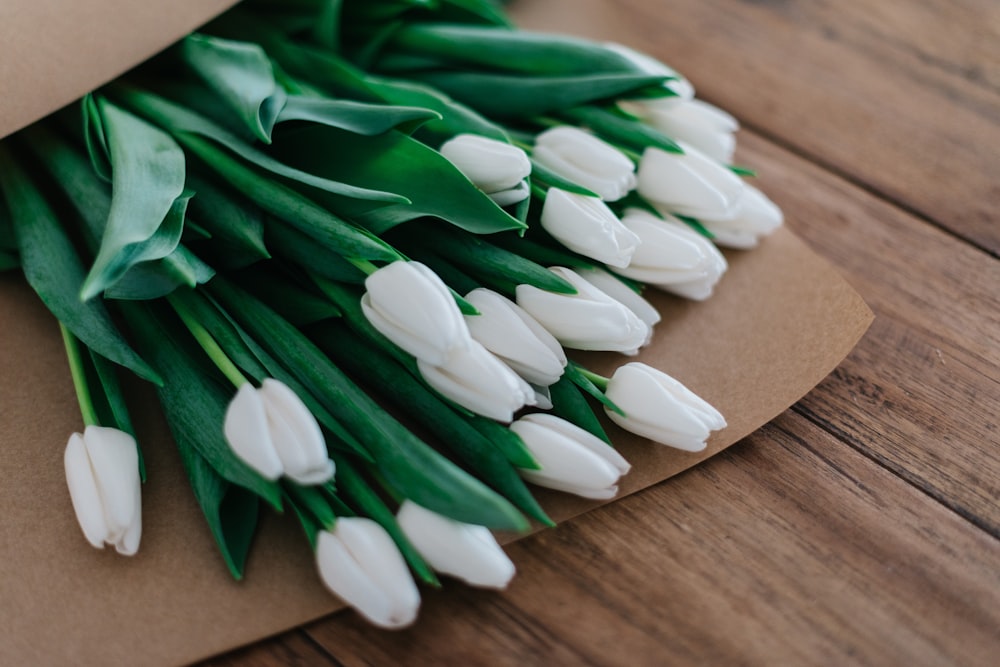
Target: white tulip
359 562
672 256
688 183
587 320
678 86
410 305
755 216
587 226
462 550
273 432
509 332
660 408
586 160
102 472
619 291
570 458
478 381
700 124
495 167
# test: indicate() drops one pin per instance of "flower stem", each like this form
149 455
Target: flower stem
75 358
599 381
363 265
208 343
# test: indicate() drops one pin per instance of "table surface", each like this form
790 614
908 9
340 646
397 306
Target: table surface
861 526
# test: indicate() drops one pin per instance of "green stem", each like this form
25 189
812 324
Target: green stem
363 265
208 343
599 381
75 358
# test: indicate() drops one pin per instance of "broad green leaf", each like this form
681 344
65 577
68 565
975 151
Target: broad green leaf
240 74
525 96
54 270
398 163
406 462
232 221
151 280
147 182
516 51
298 248
286 297
357 117
569 403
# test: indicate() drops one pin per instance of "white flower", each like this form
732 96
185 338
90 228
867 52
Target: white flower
462 550
410 305
495 167
754 216
570 459
509 332
619 291
679 86
102 472
274 433
689 184
478 381
581 157
586 225
360 563
660 408
700 124
587 320
672 256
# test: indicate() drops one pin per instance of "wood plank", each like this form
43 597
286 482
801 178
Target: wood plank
789 548
921 392
902 96
291 649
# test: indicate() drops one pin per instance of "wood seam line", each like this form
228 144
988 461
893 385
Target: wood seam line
308 638
896 470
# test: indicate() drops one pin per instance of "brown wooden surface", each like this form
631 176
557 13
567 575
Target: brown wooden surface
861 526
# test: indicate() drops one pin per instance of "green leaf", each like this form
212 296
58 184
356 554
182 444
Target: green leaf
408 464
287 297
568 402
545 176
298 248
522 51
240 74
619 129
232 221
54 270
398 163
151 280
357 117
9 260
525 96
575 374
147 184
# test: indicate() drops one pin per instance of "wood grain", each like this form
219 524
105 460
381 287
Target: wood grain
861 526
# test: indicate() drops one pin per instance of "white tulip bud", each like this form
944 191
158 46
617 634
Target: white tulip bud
273 432
410 305
509 332
689 184
587 320
494 166
586 160
462 550
478 381
672 256
587 226
570 458
619 291
660 408
102 472
755 216
359 563
694 122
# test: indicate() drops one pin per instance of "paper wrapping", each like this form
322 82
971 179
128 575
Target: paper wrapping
780 321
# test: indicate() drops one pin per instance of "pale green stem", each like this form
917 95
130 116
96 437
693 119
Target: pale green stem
75 358
363 265
208 343
599 381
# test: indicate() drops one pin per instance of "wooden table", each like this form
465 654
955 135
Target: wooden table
861 526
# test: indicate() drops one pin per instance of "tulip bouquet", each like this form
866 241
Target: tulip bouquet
354 246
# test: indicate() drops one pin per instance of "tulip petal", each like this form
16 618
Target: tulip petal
83 492
301 448
587 226
690 184
246 430
114 461
490 164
